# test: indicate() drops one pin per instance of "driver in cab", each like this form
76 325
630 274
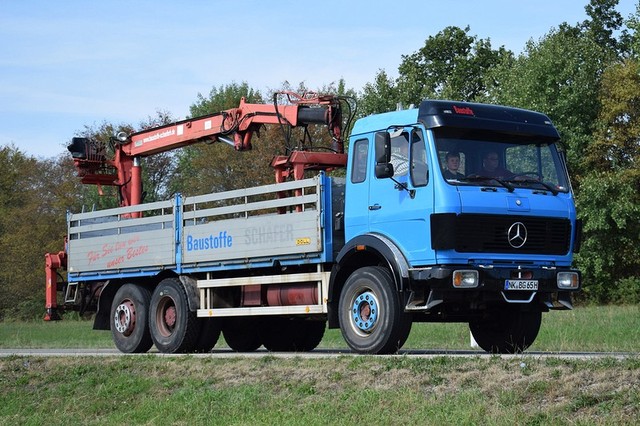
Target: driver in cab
491 167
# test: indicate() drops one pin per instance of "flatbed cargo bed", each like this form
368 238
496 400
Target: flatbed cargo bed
245 228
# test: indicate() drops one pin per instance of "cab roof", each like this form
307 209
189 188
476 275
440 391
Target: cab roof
464 115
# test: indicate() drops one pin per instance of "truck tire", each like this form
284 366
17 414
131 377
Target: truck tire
507 330
129 319
210 329
371 315
174 328
241 333
308 334
291 334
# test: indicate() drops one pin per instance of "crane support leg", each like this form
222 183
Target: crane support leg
53 261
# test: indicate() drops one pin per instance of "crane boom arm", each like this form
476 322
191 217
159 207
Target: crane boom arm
239 122
235 126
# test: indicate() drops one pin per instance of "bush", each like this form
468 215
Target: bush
609 206
626 291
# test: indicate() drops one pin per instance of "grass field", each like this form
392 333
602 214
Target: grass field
591 329
344 390
347 389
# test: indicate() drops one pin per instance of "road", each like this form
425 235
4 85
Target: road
318 353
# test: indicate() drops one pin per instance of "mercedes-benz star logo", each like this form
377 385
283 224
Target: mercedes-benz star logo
517 235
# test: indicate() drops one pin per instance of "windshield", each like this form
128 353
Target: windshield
483 158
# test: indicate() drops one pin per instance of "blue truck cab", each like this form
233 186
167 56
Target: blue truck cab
487 242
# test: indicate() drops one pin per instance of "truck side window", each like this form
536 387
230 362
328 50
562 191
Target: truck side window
419 167
359 166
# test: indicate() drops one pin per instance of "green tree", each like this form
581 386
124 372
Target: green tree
224 97
451 65
574 74
615 145
379 96
609 200
557 75
603 21
33 198
631 34
609 206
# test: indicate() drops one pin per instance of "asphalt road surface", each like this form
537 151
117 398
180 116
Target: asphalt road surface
318 353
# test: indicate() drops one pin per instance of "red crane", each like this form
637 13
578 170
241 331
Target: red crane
236 126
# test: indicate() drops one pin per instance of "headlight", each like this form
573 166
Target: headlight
465 279
568 280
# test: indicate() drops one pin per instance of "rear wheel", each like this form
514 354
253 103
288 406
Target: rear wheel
507 330
372 318
174 328
241 333
308 334
129 319
291 334
210 329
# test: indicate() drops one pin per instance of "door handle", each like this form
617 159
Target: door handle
375 207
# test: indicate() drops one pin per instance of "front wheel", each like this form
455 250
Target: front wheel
174 328
372 318
507 330
129 319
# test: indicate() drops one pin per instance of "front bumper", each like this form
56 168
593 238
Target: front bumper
434 287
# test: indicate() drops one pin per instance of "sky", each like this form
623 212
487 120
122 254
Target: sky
68 64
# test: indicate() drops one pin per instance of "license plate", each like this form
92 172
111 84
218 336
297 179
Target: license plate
521 285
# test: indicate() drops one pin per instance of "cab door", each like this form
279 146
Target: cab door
400 206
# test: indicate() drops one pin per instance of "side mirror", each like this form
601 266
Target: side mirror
383 147
384 168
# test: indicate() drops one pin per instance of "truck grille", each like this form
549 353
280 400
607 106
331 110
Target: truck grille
480 233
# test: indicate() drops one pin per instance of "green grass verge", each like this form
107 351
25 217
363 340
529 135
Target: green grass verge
343 390
347 389
593 328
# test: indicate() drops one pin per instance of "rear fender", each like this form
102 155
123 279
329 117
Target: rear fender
191 288
101 321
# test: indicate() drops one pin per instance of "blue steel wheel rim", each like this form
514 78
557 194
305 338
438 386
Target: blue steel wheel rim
364 312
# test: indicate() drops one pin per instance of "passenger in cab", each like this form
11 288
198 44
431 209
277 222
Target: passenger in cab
452 165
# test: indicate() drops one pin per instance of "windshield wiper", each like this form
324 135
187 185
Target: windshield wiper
551 189
477 178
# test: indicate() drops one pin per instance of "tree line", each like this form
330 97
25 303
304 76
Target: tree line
585 76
